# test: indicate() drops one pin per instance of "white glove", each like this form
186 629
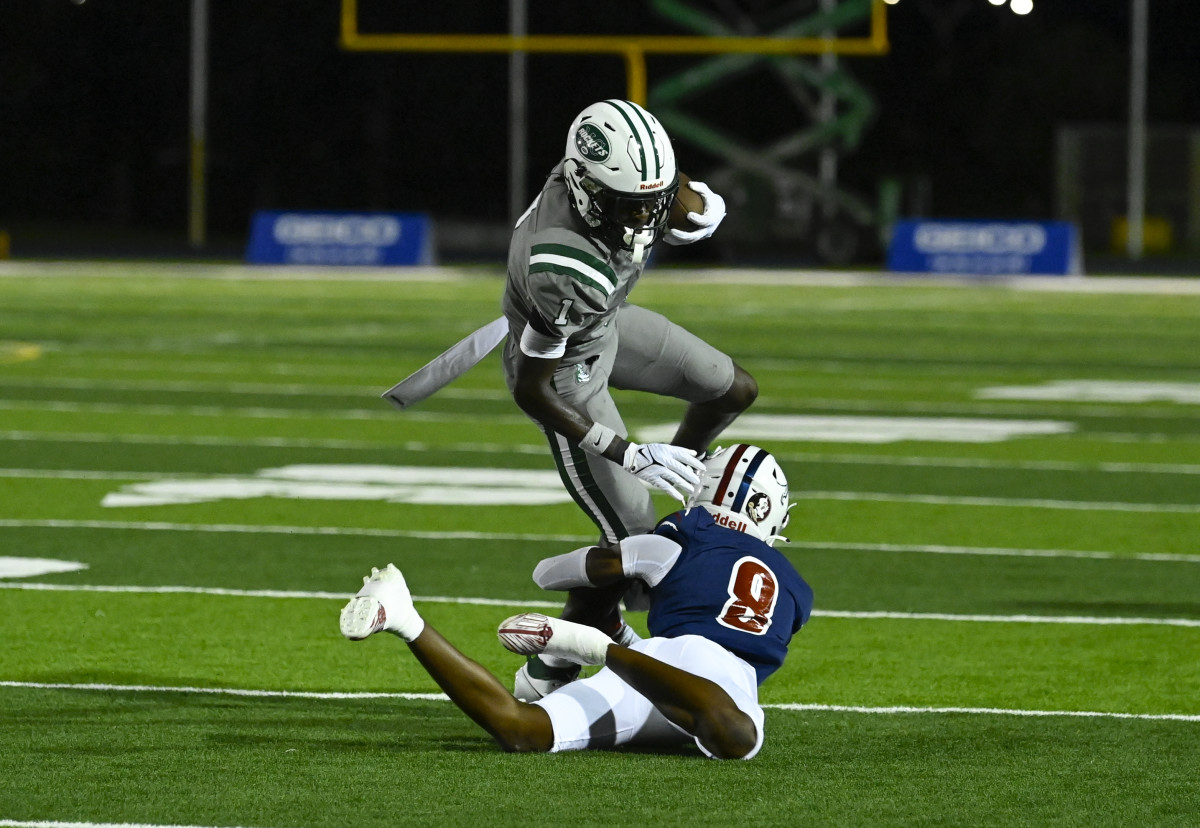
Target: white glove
668 467
714 211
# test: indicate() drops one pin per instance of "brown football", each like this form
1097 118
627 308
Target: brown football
686 201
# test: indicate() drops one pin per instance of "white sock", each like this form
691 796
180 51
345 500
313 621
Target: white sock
408 626
577 643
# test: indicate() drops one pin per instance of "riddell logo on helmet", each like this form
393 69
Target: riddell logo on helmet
731 522
657 186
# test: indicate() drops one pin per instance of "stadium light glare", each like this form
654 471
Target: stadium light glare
1022 6
997 2
891 2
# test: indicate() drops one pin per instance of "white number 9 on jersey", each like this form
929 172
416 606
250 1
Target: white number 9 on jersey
753 590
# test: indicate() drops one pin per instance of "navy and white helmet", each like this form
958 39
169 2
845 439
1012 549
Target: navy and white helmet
620 169
745 489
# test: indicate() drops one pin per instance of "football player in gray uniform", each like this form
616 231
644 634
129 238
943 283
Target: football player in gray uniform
574 258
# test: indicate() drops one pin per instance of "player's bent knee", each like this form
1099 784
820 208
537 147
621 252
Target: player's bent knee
743 392
728 734
527 730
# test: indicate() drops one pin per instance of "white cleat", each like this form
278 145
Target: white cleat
384 604
363 617
532 633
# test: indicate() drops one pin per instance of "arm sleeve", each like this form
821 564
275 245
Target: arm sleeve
563 571
648 557
540 345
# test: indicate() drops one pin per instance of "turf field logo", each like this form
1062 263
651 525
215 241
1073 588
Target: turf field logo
592 143
1109 391
35 567
392 484
13 352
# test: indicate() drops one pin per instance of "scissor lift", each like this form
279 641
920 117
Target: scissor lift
786 192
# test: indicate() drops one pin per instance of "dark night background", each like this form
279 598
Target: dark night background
95 102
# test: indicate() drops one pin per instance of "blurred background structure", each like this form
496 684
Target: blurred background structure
972 111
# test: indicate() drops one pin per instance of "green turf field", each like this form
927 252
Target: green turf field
998 507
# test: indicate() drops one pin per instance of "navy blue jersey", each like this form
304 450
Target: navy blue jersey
730 588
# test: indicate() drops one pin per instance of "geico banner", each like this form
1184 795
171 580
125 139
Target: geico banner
340 239
985 248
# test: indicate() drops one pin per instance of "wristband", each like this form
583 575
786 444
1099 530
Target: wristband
598 439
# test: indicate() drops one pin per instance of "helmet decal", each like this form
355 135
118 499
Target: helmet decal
758 507
592 143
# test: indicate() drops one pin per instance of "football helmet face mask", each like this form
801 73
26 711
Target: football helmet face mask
745 489
620 170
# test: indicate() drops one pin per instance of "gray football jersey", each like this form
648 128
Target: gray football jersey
572 282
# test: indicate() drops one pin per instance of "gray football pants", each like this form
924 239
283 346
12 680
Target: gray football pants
645 352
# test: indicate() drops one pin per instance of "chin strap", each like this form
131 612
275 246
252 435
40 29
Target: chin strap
640 240
771 540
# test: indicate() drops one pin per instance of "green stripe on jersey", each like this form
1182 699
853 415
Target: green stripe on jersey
561 270
578 263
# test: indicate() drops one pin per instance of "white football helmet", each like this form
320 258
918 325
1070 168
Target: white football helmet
745 489
620 168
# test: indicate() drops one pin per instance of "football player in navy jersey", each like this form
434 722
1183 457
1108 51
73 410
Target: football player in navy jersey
724 605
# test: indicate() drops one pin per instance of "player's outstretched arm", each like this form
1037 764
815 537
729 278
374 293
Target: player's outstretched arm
517 727
384 604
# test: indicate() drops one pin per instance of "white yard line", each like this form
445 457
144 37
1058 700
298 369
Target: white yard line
87 474
835 708
1175 286
162 526
261 593
233 388
499 602
530 448
265 442
1114 621
352 531
45 823
1001 552
890 409
1011 502
1051 406
984 463
241 273
869 497
222 387
252 412
986 711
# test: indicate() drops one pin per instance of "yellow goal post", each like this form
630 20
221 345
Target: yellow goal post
633 48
